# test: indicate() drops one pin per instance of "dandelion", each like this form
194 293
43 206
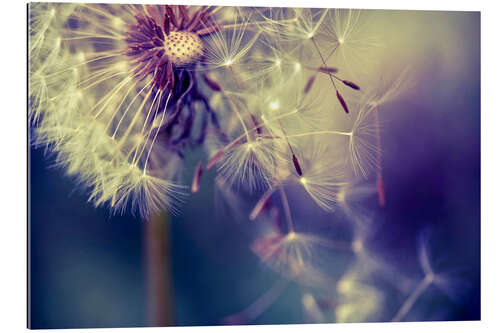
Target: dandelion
134 67
279 105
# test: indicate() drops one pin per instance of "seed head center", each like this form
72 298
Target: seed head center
183 47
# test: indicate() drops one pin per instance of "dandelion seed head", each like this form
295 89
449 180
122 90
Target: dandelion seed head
133 101
183 47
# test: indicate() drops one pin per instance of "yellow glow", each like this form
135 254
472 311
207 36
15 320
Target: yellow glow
117 22
121 66
80 56
79 93
308 301
297 66
303 180
341 196
357 246
274 105
344 286
228 62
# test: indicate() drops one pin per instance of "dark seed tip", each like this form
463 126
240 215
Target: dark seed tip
342 102
351 84
297 165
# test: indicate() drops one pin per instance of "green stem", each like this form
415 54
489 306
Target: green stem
158 271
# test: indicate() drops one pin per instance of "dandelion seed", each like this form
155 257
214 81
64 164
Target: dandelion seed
362 144
353 45
351 84
327 69
296 255
297 167
309 84
342 102
446 282
261 204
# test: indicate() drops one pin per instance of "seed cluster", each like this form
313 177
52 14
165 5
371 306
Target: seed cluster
165 39
183 47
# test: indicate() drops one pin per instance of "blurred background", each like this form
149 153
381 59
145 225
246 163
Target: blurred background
88 269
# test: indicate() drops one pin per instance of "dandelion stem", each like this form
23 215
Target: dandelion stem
261 203
410 301
157 252
333 51
286 207
323 61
